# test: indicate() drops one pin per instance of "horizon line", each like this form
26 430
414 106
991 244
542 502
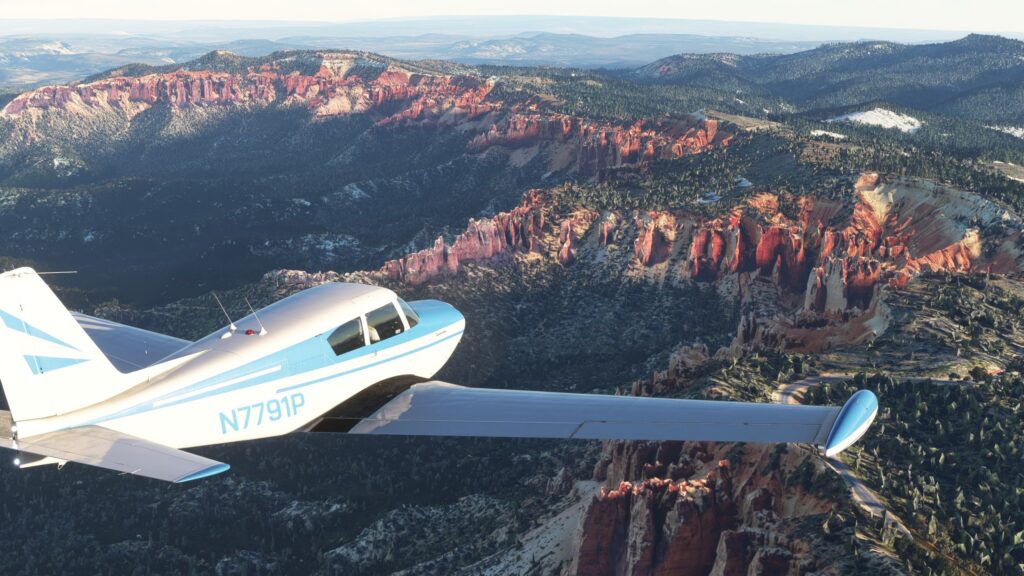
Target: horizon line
494 17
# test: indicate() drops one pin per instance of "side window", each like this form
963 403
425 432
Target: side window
347 337
383 323
410 315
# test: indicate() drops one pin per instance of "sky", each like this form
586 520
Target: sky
974 16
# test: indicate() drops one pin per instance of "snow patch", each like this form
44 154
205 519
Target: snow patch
353 192
709 198
883 118
1011 130
827 134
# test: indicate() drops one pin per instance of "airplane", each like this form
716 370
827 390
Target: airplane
337 357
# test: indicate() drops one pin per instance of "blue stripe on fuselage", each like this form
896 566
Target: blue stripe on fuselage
371 365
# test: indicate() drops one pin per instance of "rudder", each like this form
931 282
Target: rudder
48 364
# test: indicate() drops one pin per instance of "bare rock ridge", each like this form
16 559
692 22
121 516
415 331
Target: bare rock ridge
337 84
831 259
482 240
603 145
682 509
340 86
895 229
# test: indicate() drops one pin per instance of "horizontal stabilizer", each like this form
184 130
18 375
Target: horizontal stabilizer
105 448
441 409
128 348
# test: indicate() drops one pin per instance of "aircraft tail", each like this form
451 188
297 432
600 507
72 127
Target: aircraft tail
48 364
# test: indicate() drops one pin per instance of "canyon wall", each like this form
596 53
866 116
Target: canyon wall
595 146
333 90
834 253
338 84
828 262
685 509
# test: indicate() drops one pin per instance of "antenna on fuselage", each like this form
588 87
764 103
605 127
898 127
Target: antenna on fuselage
263 330
231 323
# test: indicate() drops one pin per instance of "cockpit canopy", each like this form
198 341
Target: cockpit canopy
375 326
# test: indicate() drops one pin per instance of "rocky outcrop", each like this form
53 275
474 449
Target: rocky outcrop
593 147
893 230
753 551
657 235
518 230
656 526
344 84
675 508
571 230
335 84
804 283
419 267
842 283
834 256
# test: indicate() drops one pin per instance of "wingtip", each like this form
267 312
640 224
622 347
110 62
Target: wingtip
204 473
853 421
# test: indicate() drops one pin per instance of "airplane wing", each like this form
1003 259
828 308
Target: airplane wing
105 448
128 348
441 409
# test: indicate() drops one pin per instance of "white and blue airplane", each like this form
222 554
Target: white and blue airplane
338 358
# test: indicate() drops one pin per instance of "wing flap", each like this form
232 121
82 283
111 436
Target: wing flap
441 409
105 448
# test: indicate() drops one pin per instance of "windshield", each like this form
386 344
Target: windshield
410 315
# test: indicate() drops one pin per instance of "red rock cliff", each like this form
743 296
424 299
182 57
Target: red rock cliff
673 508
892 231
519 229
599 146
341 88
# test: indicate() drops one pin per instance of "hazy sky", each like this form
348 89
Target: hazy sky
974 15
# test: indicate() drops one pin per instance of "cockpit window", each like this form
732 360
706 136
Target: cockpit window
383 323
410 315
347 337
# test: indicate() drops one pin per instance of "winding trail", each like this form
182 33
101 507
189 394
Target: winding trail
866 498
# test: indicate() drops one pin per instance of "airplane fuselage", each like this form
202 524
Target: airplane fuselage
269 377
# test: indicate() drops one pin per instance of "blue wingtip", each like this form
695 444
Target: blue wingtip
853 421
205 472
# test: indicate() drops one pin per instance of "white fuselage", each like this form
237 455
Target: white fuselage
247 386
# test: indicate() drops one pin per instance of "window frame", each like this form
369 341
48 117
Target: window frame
366 323
362 329
405 319
365 326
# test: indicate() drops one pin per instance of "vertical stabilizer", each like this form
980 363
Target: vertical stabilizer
48 364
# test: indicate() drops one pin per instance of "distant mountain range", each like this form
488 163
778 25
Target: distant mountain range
28 61
34 53
979 76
